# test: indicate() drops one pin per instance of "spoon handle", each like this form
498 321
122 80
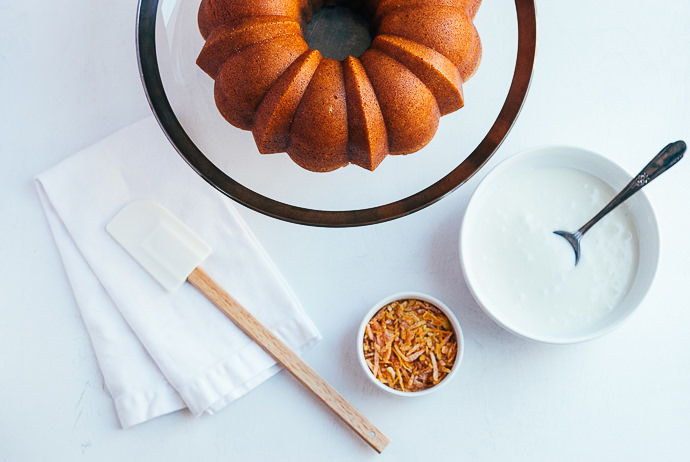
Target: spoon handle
666 159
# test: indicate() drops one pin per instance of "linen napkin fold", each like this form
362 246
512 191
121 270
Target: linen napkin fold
158 351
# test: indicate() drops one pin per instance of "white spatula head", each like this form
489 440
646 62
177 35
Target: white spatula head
159 241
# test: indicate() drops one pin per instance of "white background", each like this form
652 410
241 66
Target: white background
611 77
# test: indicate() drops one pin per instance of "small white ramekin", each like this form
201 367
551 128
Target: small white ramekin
406 296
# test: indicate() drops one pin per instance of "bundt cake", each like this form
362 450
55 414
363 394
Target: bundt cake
326 113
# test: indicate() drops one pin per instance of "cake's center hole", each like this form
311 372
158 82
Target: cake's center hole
338 32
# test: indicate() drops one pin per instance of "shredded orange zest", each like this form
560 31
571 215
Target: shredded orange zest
410 345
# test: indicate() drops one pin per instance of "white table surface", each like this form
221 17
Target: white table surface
610 77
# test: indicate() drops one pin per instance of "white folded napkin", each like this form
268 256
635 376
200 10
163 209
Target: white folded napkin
158 351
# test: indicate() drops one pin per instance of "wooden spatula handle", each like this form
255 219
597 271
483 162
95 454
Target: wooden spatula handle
288 359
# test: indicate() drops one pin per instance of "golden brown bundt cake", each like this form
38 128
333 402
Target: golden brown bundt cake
326 113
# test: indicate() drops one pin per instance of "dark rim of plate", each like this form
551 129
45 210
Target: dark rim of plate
153 86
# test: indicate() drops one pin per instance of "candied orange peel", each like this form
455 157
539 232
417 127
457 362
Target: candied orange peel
410 345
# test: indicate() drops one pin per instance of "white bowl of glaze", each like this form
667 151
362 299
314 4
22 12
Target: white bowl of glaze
406 296
496 293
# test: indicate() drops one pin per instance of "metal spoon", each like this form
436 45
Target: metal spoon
666 159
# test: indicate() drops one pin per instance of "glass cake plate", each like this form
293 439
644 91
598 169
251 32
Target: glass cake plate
181 97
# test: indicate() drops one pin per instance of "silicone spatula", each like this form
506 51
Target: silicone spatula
172 253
